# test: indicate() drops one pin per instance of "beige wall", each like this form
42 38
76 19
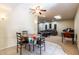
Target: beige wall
77 26
62 24
18 20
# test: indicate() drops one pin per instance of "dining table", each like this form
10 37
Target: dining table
68 35
32 39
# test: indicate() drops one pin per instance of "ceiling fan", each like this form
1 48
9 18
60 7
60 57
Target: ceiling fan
37 10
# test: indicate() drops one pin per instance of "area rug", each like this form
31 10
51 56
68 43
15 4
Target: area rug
51 49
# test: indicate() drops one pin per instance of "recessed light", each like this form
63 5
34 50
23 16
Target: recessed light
57 17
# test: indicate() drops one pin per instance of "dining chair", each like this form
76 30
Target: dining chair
24 32
26 36
40 43
21 41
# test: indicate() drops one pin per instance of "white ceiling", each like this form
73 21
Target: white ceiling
66 10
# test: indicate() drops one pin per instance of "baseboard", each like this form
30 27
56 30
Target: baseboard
7 47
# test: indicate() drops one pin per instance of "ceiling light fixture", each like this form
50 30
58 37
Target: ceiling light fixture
57 17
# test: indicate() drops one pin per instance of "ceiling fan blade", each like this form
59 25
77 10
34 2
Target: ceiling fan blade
40 13
43 10
32 9
33 12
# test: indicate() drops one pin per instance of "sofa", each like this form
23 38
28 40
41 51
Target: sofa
48 32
